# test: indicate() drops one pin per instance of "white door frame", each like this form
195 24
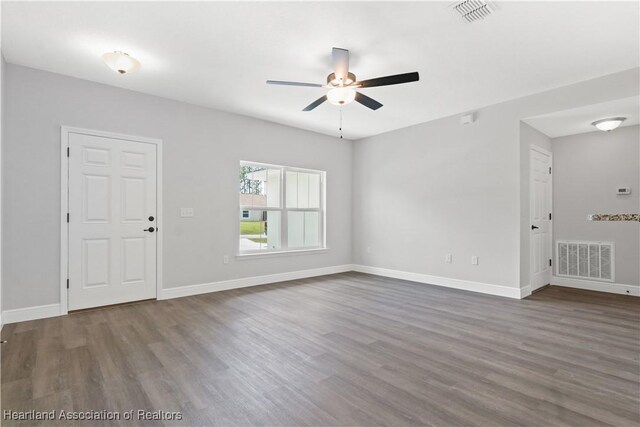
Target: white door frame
550 154
64 205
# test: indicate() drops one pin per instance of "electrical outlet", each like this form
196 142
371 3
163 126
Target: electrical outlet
474 259
225 259
186 212
448 258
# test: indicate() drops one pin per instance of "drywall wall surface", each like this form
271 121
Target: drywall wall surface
588 168
441 187
202 149
528 136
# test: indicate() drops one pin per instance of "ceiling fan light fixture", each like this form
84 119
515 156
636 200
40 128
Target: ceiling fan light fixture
121 62
333 80
607 125
341 95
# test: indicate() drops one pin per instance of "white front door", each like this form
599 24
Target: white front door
540 217
112 212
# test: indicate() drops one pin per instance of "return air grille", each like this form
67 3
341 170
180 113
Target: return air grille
585 260
473 10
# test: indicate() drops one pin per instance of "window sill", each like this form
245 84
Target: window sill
281 253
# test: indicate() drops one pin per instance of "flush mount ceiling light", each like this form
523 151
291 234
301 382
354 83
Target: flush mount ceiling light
607 125
121 62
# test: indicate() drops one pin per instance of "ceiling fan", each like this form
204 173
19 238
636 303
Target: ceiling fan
342 84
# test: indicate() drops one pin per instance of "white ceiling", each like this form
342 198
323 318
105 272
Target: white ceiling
578 120
220 54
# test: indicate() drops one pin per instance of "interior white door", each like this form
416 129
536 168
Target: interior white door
112 212
540 217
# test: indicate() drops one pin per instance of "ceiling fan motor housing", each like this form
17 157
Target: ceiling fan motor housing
332 80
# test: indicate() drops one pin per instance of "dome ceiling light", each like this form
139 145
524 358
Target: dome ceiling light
607 125
121 62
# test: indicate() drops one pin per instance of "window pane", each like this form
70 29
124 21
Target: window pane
295 230
259 186
292 189
260 230
273 188
303 229
311 229
303 190
314 190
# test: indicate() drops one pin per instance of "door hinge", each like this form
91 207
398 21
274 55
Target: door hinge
67 217
68 151
549 170
67 283
549 215
549 263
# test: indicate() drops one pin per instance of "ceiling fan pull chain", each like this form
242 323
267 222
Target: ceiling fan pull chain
341 122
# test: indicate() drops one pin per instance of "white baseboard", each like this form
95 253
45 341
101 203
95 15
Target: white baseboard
30 313
484 288
183 291
525 292
593 285
53 310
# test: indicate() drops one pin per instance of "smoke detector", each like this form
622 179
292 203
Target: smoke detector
473 10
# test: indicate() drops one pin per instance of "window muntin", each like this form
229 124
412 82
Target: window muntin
282 208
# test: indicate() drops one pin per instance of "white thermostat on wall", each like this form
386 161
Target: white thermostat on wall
621 191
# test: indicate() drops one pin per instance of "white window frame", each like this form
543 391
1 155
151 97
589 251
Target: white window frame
284 238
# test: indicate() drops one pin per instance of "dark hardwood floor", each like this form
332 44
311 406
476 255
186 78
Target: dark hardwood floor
346 349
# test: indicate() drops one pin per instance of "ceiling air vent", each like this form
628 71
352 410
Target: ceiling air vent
473 10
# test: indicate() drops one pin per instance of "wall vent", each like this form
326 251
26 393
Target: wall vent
473 10
585 260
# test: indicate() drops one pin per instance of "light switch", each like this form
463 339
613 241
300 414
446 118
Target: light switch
186 212
474 260
448 258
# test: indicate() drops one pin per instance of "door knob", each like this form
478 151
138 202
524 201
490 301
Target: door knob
150 229
533 227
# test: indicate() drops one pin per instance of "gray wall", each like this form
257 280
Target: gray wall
588 168
422 191
528 137
441 187
202 149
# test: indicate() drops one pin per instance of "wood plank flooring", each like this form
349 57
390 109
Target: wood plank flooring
346 349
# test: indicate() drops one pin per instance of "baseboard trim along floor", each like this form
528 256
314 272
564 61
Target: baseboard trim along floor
594 285
204 288
30 313
466 285
53 310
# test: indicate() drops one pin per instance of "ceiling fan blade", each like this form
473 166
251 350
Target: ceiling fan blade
390 80
280 82
367 102
340 62
315 103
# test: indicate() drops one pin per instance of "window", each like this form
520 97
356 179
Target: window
282 208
